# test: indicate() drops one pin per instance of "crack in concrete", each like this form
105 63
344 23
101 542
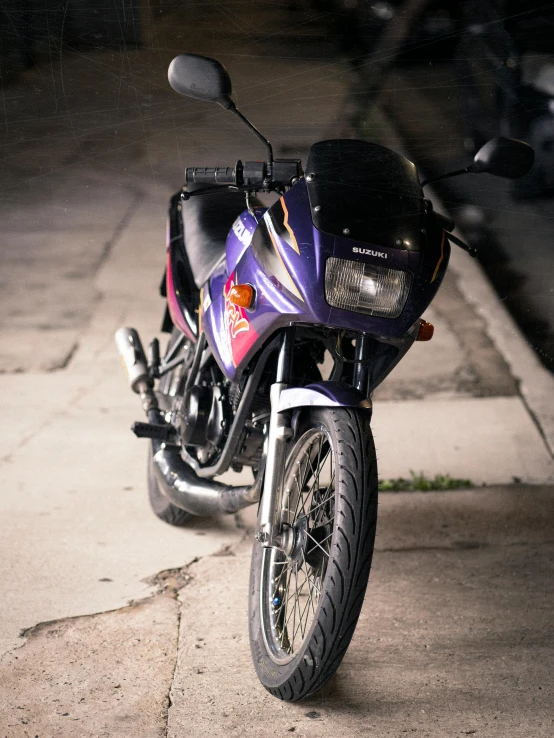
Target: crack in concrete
173 676
168 583
118 230
72 401
185 575
458 546
64 362
535 419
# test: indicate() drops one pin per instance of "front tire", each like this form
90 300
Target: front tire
304 604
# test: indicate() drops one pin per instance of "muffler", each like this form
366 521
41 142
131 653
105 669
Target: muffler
176 479
199 496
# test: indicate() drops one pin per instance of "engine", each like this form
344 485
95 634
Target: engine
202 415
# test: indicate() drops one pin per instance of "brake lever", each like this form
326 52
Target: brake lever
470 249
209 191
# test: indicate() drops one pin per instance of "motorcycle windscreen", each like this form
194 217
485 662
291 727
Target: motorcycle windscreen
365 192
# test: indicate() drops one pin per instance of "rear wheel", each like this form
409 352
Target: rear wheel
169 386
305 603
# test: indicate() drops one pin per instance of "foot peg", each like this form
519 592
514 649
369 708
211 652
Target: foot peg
152 430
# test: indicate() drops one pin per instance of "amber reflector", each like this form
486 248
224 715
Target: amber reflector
241 295
426 331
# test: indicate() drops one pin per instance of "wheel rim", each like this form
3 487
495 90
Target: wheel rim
293 581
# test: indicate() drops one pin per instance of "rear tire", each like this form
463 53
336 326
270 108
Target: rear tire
162 507
333 514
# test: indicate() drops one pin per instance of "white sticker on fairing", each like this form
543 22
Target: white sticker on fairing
369 252
242 232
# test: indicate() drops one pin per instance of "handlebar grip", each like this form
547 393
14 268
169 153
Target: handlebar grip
211 175
257 175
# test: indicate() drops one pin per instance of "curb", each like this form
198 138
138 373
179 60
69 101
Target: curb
535 382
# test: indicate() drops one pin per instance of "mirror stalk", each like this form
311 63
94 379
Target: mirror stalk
458 241
233 108
202 78
467 170
503 157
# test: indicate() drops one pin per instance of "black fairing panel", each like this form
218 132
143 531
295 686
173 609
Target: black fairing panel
188 293
369 190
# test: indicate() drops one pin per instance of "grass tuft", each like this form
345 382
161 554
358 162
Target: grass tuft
421 483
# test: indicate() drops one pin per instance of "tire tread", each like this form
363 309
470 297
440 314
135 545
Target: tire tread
352 550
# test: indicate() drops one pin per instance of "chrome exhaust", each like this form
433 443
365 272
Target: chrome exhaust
133 357
204 497
176 479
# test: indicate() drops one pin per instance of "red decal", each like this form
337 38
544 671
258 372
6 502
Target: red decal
240 333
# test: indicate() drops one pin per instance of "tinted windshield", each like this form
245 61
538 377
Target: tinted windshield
365 192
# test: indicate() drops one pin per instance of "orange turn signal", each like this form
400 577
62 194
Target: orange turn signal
426 331
242 295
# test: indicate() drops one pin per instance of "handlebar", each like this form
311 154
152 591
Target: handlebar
258 175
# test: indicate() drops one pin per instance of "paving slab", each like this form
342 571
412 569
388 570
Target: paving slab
78 534
455 637
488 440
103 676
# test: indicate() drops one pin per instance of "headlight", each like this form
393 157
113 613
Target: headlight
364 288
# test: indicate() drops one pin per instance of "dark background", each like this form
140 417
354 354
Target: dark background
87 117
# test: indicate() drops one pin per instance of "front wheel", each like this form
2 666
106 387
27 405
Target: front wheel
305 603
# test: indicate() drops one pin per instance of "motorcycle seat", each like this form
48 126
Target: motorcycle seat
207 220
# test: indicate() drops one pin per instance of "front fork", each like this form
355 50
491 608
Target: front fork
269 533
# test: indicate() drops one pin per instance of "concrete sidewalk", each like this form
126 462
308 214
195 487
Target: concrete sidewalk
455 638
79 541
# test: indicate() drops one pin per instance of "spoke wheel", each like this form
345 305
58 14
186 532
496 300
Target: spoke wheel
306 598
292 580
169 386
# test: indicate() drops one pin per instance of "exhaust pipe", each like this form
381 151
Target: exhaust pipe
199 496
175 478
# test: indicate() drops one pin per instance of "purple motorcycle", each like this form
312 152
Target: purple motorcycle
283 320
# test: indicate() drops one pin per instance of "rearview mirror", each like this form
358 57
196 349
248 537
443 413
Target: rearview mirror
504 157
201 78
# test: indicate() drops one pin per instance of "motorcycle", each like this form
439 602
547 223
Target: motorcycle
283 319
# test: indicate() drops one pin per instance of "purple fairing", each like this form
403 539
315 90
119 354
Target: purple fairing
240 236
289 285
